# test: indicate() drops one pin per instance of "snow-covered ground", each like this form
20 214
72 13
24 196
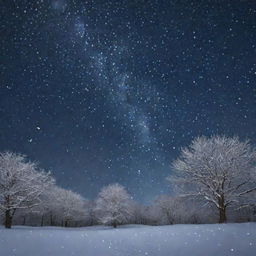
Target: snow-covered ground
132 240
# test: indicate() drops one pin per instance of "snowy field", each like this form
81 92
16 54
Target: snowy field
131 240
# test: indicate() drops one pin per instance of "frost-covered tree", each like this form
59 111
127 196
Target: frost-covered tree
140 214
220 170
48 209
58 206
167 209
21 184
113 205
90 210
69 206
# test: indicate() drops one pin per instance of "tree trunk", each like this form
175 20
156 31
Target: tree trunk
24 221
51 220
114 225
66 223
169 218
42 220
222 210
8 219
222 215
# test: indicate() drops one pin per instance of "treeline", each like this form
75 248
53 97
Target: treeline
68 209
213 180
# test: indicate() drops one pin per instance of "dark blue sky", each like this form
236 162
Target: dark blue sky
108 91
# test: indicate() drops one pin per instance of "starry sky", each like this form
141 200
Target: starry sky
105 91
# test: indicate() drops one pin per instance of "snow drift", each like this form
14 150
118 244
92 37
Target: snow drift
131 240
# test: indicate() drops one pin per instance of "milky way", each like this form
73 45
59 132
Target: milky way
109 91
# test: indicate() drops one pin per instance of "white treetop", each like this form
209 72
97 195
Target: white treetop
68 204
21 182
113 205
218 169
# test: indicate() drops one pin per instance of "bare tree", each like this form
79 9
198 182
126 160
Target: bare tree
220 170
113 205
21 184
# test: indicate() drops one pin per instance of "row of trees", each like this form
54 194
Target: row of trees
27 191
213 176
114 206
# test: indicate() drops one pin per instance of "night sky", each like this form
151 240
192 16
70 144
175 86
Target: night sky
108 91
